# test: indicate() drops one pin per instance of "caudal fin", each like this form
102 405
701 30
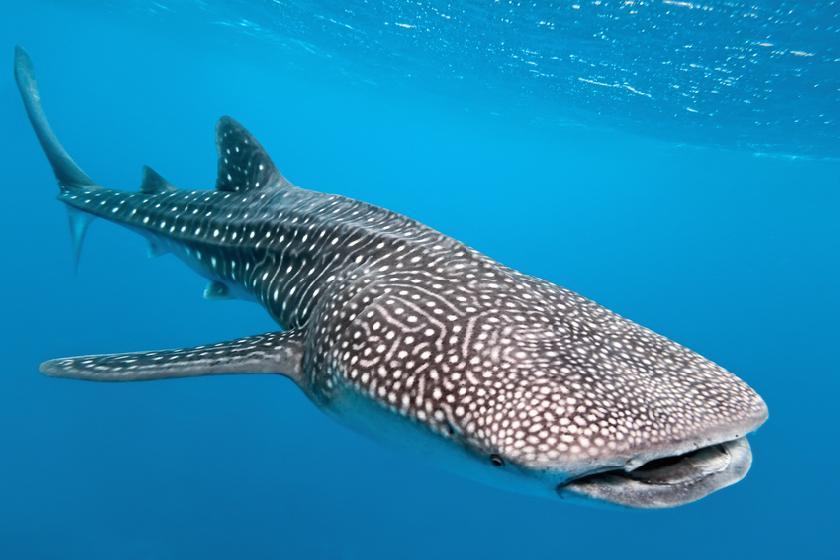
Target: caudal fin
66 171
68 174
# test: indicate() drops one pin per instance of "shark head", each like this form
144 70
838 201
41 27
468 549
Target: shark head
612 413
688 439
548 393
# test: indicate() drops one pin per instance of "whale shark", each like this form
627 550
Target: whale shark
408 335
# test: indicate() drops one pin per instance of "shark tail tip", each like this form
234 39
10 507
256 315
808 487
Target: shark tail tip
67 173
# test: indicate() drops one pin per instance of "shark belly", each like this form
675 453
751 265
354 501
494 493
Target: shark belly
367 416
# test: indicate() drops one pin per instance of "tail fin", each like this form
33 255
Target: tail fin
66 171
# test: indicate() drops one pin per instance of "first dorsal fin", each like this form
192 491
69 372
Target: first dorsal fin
243 163
153 183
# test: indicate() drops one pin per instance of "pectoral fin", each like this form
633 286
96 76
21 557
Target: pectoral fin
279 352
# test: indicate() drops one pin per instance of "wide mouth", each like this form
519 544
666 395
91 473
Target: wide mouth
666 481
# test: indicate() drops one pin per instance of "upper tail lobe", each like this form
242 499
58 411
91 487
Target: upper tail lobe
66 171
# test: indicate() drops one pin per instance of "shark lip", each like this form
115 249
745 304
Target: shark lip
666 481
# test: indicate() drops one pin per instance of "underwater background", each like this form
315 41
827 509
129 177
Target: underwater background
676 161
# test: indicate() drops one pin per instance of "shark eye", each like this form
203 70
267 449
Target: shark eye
496 461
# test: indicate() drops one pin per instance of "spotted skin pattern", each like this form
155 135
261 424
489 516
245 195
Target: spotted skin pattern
514 370
437 332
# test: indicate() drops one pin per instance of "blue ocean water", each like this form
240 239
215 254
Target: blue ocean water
676 161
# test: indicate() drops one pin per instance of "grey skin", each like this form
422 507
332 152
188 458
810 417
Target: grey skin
410 336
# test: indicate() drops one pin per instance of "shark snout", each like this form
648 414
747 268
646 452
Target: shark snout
670 475
666 482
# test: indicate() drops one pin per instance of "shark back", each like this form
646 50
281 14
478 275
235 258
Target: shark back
255 235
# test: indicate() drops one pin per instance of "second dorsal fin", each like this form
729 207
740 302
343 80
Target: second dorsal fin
153 183
243 163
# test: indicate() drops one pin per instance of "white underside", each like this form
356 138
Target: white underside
366 416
